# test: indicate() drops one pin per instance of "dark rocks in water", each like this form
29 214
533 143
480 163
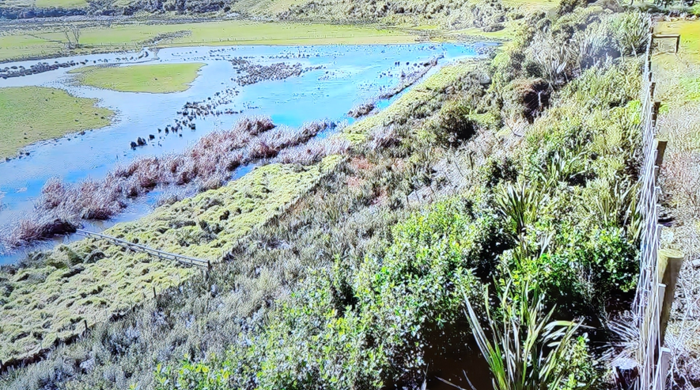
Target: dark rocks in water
39 67
255 73
151 137
139 142
58 227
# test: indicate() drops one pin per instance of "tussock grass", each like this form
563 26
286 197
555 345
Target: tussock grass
57 293
345 288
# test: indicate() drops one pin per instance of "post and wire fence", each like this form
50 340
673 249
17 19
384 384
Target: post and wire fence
656 284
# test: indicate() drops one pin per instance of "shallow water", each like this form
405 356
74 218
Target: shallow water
351 75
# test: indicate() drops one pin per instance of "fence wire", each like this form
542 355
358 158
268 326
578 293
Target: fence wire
647 302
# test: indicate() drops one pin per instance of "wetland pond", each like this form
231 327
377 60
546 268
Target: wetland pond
334 80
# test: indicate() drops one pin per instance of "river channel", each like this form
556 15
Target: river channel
343 77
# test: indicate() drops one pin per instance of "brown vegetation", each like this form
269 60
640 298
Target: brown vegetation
206 165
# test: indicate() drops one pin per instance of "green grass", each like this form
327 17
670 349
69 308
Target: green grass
690 37
48 40
60 3
31 114
159 78
532 5
43 304
677 79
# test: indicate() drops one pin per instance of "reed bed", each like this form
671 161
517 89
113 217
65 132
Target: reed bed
206 165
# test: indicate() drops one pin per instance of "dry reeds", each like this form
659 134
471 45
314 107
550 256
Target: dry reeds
207 165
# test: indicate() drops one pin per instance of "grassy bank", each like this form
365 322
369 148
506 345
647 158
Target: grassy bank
159 78
31 114
677 79
89 281
48 40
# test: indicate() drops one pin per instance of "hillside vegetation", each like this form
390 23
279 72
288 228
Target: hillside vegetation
515 176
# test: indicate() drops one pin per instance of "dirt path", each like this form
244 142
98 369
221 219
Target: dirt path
677 78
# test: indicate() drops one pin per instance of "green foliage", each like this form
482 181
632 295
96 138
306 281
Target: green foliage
519 205
528 350
581 368
358 326
345 289
193 376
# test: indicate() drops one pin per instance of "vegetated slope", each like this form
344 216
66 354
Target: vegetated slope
445 13
61 293
481 176
488 14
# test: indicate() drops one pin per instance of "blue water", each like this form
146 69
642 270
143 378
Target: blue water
351 75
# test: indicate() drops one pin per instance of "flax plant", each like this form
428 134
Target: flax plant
526 349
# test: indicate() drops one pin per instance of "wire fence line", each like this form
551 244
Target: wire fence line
204 264
652 356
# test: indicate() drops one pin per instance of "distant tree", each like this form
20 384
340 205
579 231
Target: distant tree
72 33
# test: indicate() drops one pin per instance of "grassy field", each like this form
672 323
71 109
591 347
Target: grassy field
48 41
31 114
159 78
60 3
88 281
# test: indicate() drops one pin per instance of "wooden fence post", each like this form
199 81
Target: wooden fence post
670 262
662 369
655 113
660 151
